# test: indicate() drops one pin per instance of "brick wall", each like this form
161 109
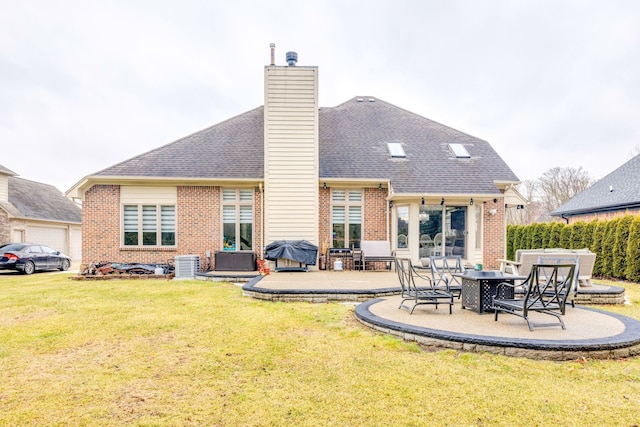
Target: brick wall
5 233
375 214
324 219
198 224
101 224
603 216
493 229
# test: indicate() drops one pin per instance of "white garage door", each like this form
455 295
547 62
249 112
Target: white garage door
75 249
54 237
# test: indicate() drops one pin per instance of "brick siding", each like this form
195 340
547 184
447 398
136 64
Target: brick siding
602 216
198 226
493 229
5 233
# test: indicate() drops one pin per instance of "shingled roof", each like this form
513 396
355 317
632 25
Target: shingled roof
353 141
619 190
5 171
34 200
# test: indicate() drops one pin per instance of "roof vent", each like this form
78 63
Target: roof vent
371 100
292 58
359 99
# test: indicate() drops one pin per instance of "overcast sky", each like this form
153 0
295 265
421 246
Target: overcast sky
86 84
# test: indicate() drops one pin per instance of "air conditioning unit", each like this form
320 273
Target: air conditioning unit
187 266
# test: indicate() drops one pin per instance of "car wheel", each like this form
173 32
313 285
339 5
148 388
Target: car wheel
29 267
65 265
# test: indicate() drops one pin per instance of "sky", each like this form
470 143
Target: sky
87 84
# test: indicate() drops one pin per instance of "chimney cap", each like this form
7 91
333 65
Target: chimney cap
292 58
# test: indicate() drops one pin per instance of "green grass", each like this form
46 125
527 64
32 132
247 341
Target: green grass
199 353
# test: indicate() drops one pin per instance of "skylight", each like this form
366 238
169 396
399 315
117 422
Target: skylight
395 149
460 151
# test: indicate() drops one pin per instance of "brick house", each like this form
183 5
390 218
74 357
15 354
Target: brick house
35 212
290 170
616 194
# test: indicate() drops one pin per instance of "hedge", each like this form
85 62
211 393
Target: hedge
616 243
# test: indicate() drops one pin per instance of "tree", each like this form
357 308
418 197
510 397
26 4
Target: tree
621 246
633 251
532 210
558 185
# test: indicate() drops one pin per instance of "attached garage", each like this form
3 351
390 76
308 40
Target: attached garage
54 237
39 213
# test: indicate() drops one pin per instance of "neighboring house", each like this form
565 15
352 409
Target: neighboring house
289 170
38 213
616 194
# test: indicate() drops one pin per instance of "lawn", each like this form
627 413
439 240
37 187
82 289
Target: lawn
183 353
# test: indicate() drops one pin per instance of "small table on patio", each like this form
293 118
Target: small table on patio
479 286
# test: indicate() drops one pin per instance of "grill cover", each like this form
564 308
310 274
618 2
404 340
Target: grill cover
295 250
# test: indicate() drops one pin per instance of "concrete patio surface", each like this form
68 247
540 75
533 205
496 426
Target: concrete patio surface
590 332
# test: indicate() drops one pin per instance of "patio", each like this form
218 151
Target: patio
590 332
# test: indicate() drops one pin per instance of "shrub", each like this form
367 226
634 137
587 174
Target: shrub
511 232
596 246
633 251
608 242
620 246
565 237
537 235
575 239
587 234
554 235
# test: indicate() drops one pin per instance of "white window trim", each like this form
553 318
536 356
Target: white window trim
347 203
237 203
140 230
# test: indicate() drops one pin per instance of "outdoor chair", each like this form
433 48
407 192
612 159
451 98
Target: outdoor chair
546 291
438 245
573 289
446 273
421 293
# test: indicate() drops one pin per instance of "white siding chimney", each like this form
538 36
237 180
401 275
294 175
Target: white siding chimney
291 153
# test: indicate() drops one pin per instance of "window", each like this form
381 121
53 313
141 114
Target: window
149 225
237 219
346 218
403 227
396 150
460 151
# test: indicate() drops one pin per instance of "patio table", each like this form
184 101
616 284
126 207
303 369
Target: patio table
478 287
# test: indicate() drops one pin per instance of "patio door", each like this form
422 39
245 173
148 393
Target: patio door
443 230
456 230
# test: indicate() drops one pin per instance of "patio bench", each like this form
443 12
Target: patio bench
526 258
376 251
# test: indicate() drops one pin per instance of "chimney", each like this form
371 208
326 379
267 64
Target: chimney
273 53
292 58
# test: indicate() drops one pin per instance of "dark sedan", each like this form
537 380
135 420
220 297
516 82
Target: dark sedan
27 257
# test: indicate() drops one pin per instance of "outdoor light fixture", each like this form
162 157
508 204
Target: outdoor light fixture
495 200
471 202
324 185
380 186
422 201
390 203
442 202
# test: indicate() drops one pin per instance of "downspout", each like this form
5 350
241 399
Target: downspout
261 221
565 218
